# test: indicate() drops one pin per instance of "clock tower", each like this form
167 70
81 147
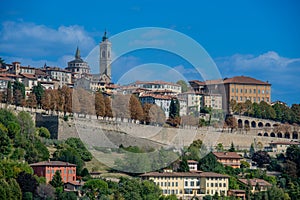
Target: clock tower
105 59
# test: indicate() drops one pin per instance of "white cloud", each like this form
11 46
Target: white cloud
282 72
32 40
266 61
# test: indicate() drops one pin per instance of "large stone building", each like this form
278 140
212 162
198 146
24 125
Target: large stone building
186 185
158 85
238 88
231 159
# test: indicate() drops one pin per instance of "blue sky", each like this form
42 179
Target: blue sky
254 38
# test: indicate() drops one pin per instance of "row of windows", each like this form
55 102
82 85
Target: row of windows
192 183
252 99
215 184
212 192
65 171
169 178
167 184
249 91
217 178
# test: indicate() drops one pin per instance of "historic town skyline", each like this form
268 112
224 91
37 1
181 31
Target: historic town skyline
243 38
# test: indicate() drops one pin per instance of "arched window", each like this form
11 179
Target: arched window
103 54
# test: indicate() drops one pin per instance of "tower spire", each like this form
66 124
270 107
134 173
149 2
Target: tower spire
77 54
104 36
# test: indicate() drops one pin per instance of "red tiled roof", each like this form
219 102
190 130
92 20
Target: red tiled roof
227 155
197 82
184 174
5 78
245 80
156 83
255 181
52 163
157 96
29 76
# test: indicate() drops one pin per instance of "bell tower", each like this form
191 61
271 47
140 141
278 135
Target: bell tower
105 58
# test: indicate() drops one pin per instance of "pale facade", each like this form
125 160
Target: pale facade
158 85
193 101
256 185
280 147
105 59
186 185
78 66
213 101
63 76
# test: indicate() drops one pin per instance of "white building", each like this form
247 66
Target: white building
193 101
158 85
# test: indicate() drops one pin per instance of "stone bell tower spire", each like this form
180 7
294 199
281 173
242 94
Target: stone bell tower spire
105 58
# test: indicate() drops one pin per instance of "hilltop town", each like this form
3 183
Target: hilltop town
37 164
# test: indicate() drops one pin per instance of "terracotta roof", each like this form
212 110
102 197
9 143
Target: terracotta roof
227 155
77 183
197 82
184 174
157 96
245 80
156 83
213 174
171 174
255 181
5 78
29 76
52 163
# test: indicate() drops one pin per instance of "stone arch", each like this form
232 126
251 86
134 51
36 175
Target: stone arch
240 123
253 124
287 135
267 124
275 125
266 134
279 135
272 134
260 124
295 135
259 134
246 123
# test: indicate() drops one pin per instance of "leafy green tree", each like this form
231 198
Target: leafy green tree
130 188
295 113
95 188
68 196
13 129
183 84
9 96
15 189
38 90
183 166
251 150
174 112
57 180
219 147
27 182
232 148
45 191
44 132
27 124
149 190
261 158
78 145
209 163
68 154
4 190
5 144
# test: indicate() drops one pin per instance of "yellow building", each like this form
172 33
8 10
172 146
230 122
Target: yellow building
240 89
186 185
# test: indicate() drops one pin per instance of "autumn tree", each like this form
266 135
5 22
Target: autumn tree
18 93
108 109
120 105
146 109
31 101
231 122
157 115
99 104
135 107
65 99
46 100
